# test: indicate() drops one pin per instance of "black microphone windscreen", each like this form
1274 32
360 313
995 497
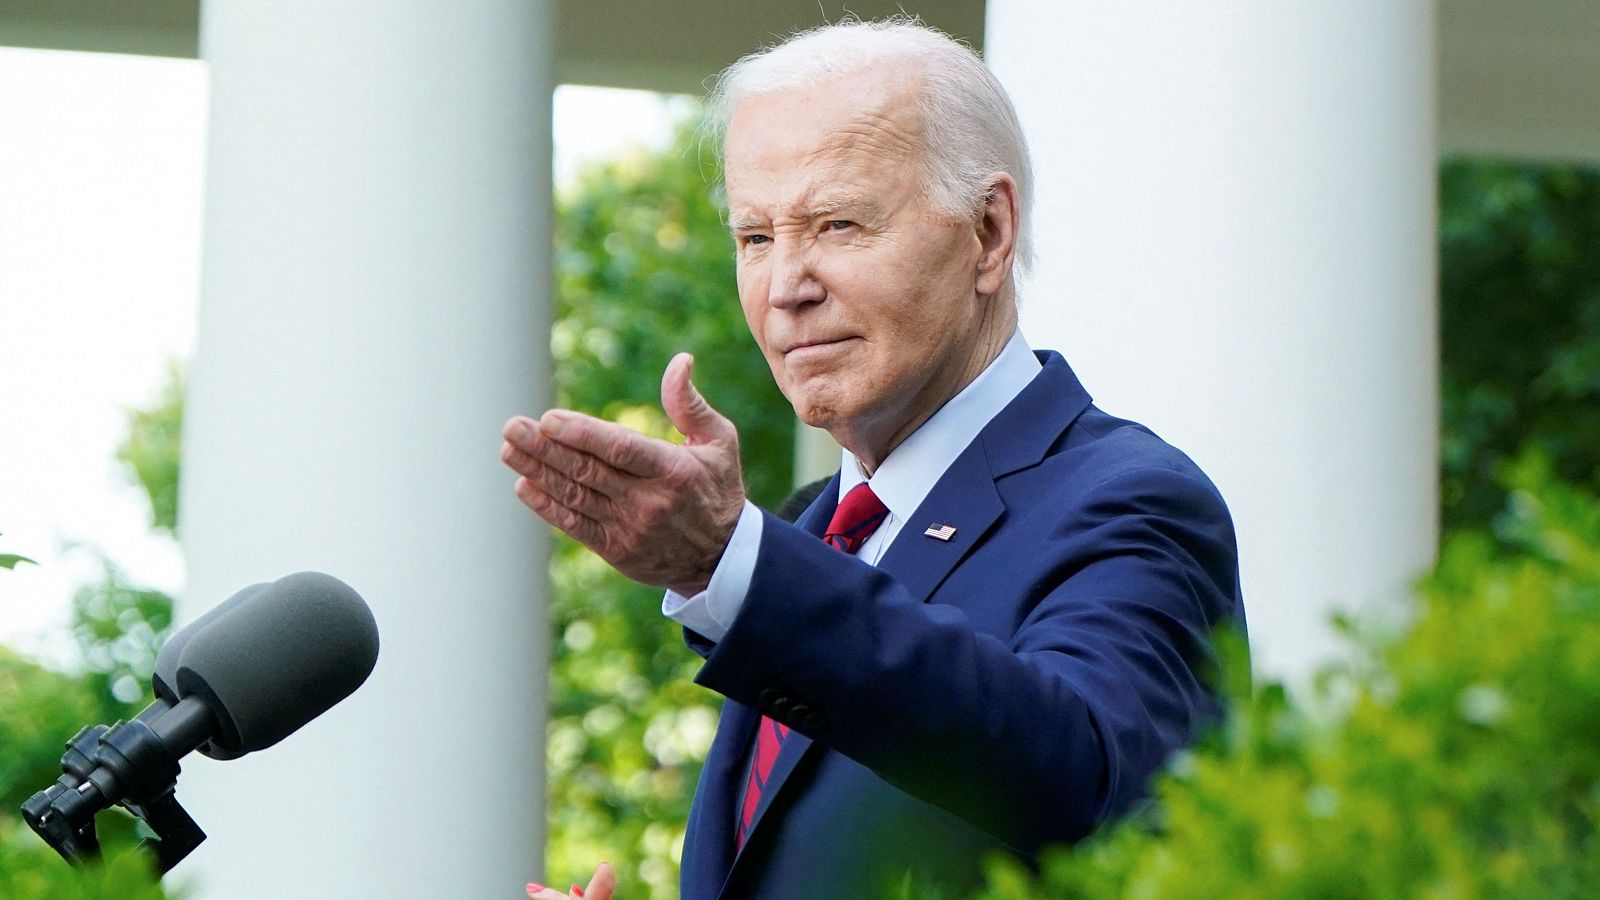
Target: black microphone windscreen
165 678
280 657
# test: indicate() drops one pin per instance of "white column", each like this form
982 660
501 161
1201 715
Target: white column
374 305
1235 232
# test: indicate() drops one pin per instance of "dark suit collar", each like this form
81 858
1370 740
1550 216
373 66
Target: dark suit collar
1025 430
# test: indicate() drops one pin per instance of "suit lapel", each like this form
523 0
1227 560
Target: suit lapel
814 520
712 819
794 749
964 498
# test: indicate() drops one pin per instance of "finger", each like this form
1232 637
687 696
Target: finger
616 446
538 891
690 413
603 884
569 492
522 433
525 444
581 528
517 460
584 468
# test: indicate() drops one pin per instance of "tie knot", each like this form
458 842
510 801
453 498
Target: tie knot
858 516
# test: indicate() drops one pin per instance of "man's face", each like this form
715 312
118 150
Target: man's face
860 295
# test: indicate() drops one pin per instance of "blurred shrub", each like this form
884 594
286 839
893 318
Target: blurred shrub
118 627
39 710
1460 760
1519 323
644 269
30 869
152 450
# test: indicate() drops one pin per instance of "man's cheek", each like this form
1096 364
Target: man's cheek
753 304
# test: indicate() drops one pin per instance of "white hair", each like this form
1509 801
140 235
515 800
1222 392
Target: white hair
969 127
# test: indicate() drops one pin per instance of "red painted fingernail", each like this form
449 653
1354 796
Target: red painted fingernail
577 890
535 887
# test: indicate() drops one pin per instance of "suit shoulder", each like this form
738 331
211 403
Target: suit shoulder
1101 447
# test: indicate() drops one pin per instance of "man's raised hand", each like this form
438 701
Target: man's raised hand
658 512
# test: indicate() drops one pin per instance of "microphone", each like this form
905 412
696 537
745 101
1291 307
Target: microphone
240 678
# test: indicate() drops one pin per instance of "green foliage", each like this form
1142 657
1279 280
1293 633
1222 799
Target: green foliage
151 451
11 560
30 869
1456 761
1519 326
118 627
40 709
644 269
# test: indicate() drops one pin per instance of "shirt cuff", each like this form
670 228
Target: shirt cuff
712 611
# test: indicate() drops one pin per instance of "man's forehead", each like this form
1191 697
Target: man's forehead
812 150
841 114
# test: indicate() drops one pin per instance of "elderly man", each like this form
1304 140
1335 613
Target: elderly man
990 629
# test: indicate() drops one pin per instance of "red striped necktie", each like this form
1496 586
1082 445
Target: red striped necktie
858 516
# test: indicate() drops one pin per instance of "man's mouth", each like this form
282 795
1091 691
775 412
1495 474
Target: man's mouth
814 344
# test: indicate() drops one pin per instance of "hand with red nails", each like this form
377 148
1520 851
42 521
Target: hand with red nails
658 512
601 887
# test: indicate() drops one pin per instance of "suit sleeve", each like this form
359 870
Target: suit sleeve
1035 737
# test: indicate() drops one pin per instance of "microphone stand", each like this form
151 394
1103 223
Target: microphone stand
131 764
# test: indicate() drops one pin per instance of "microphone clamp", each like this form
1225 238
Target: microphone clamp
131 764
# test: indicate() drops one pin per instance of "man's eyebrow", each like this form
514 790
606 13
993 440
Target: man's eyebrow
832 203
827 204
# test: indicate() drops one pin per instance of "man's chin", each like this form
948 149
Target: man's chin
817 415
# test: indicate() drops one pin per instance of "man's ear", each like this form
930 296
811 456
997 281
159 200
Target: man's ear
998 220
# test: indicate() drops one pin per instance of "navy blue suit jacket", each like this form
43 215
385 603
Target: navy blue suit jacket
1006 689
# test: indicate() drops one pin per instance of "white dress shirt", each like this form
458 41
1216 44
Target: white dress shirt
902 481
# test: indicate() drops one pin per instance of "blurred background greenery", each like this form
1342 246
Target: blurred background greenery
1456 757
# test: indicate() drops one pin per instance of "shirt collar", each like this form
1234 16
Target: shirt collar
904 479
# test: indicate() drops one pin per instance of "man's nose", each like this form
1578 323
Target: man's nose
793 276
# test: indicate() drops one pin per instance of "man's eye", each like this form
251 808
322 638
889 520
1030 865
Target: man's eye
839 224
756 238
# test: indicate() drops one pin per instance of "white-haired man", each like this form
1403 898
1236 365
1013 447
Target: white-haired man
1000 636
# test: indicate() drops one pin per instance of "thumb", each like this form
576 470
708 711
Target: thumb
689 412
603 885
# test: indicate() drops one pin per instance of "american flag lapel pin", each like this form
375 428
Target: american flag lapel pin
941 531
